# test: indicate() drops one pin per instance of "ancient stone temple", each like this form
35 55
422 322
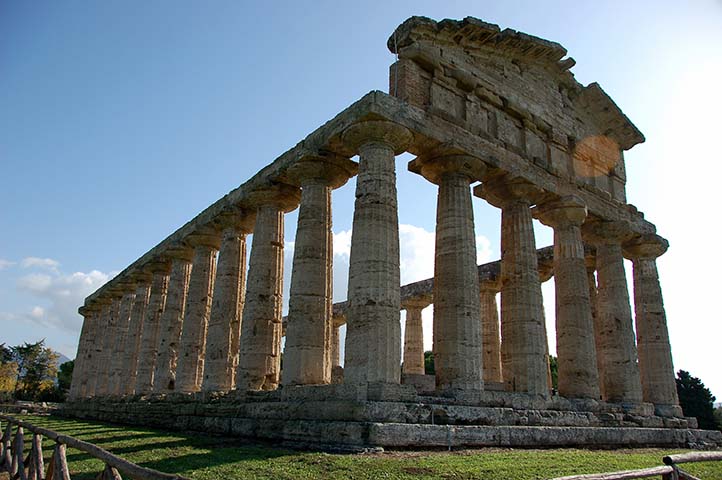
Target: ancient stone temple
190 337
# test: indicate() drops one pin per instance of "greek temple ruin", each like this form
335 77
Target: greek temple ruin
190 337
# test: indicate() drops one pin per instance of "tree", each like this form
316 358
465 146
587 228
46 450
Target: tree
718 417
37 370
696 400
8 373
429 363
554 368
65 376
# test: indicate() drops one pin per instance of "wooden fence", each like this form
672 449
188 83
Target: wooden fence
669 471
32 467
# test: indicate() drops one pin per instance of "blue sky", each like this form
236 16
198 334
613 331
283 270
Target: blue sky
120 121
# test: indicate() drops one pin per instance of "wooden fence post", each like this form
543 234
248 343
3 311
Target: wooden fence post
6 459
58 468
109 473
18 464
36 467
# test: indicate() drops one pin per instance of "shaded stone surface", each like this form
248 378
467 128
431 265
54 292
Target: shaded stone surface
191 356
224 327
151 324
171 321
576 352
373 334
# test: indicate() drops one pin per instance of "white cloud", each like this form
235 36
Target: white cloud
43 263
5 263
62 294
342 244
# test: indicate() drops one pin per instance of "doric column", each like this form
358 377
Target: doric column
591 263
102 385
414 336
171 321
94 355
373 331
491 339
87 337
148 352
192 352
306 356
135 329
336 322
259 360
576 352
524 344
224 326
118 356
619 375
457 330
655 354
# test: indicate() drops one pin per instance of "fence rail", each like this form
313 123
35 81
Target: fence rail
669 471
19 467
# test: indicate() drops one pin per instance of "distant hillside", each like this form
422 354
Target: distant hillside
62 358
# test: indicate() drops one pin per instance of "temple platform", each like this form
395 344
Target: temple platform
342 417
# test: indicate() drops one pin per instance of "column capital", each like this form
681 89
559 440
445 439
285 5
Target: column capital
204 236
179 251
421 302
141 277
507 189
236 218
434 166
338 319
377 131
158 265
647 246
605 232
329 169
562 213
285 197
489 285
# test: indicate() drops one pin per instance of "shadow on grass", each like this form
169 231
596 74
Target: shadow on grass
142 447
214 458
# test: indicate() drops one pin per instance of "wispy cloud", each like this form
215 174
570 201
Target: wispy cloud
5 264
60 294
42 263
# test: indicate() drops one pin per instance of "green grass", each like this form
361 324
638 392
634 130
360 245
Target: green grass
206 458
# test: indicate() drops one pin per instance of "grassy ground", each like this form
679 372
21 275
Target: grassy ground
219 458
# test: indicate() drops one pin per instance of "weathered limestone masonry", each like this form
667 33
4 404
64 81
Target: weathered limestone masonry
175 342
171 321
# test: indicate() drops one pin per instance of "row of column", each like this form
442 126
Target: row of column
174 330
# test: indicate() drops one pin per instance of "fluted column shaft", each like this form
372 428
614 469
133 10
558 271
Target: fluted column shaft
523 347
135 328
655 354
491 339
335 346
102 386
95 351
191 357
260 349
457 331
373 331
576 351
118 356
413 340
87 334
149 336
224 326
307 335
171 323
620 373
307 356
